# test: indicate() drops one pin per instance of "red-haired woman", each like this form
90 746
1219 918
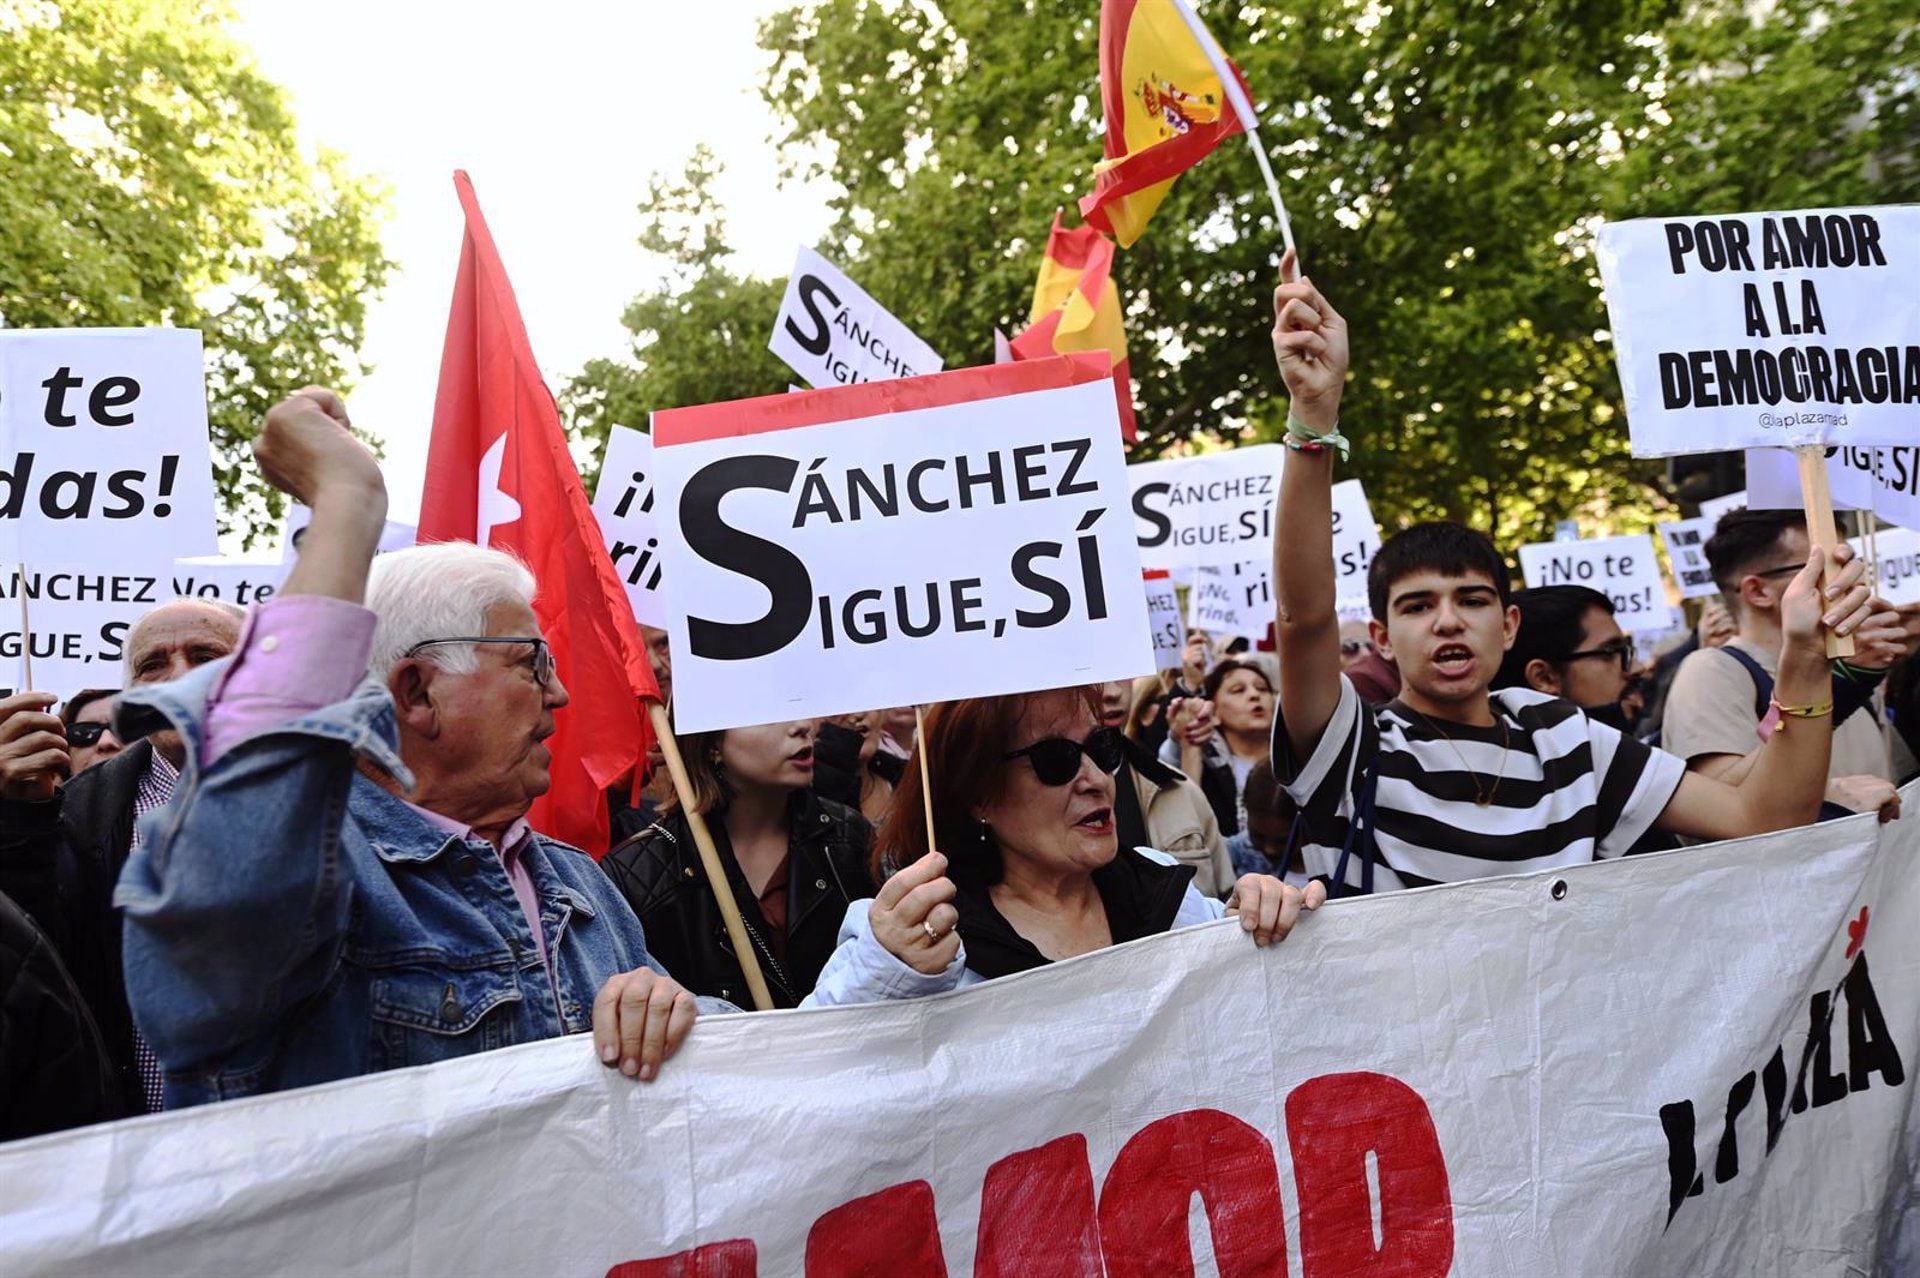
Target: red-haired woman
1029 871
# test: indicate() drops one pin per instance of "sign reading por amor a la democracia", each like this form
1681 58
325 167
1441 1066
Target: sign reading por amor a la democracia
921 540
1766 329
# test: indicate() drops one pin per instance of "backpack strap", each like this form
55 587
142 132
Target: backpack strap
1762 681
1359 830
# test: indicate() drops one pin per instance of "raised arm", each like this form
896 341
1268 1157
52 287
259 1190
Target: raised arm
1310 343
1784 781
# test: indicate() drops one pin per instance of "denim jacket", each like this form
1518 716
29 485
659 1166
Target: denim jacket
290 922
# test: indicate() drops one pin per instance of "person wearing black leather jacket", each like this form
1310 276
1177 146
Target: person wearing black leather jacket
794 861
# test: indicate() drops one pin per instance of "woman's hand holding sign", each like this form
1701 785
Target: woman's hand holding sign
913 916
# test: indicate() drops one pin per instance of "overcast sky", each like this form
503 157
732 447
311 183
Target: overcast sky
560 112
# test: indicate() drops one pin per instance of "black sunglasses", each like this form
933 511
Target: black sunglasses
542 654
1620 650
1056 760
82 735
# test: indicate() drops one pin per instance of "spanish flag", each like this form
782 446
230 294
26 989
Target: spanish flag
1076 307
1166 109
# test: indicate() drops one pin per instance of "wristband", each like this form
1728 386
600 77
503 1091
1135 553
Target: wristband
1857 674
1303 438
1812 710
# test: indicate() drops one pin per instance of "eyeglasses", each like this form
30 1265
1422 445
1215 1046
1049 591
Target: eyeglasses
1620 650
1056 760
542 654
82 735
1781 571
1354 647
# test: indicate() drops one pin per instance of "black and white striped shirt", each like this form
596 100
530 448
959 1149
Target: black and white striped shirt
1570 790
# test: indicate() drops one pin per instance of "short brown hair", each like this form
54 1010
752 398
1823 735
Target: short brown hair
966 744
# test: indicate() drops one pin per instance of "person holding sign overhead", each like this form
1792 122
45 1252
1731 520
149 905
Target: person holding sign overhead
1450 782
1028 870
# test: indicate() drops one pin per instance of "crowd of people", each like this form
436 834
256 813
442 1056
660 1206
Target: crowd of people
293 848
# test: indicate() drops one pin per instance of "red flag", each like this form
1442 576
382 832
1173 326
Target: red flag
499 473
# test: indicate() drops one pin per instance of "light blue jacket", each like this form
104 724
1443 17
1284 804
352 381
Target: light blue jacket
289 922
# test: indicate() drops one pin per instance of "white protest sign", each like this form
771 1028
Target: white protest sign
238 581
1696 1064
832 334
623 503
1163 619
1622 568
1234 600
1686 550
1766 329
1715 507
1214 509
1355 539
103 446
954 536
78 619
1883 480
394 535
1898 551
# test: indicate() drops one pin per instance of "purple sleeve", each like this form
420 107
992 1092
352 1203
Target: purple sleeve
296 654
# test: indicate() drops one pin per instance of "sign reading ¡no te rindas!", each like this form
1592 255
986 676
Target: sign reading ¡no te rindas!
103 447
1622 568
1696 1065
832 333
1766 329
951 536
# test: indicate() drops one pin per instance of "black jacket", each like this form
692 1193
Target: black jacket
1141 897
59 861
54 1071
658 871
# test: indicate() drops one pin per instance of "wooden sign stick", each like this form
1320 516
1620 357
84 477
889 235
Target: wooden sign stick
26 629
710 860
1817 498
926 785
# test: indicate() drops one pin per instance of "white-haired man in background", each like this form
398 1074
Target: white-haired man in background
346 882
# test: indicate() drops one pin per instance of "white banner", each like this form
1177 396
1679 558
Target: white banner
1234 600
623 502
955 536
1215 509
1355 539
1647 1067
1883 480
832 334
1686 541
103 445
1163 619
1622 568
1766 329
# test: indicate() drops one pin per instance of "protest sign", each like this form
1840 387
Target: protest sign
1355 539
103 446
951 536
1622 568
623 502
832 334
1214 509
1686 541
1766 329
1883 480
78 617
394 535
1645 1066
1233 600
1715 507
1163 619
238 581
1896 551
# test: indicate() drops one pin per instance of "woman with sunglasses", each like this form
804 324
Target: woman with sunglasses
794 860
1028 870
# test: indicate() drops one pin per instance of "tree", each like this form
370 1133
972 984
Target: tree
149 174
1445 166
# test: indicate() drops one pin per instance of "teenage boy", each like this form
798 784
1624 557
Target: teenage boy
1451 782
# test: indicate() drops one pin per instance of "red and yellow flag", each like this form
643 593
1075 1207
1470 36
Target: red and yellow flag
1076 307
1166 109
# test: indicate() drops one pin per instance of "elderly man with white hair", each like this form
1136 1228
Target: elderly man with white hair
346 882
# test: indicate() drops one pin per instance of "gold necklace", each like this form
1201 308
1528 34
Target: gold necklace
1481 798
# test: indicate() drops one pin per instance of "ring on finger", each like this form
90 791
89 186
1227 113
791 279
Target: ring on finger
933 937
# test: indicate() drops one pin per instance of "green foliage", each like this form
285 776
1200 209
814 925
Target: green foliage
150 175
1444 164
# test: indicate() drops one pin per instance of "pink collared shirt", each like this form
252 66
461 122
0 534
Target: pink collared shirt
298 653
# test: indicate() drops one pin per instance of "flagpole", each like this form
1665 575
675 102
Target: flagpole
1237 99
710 860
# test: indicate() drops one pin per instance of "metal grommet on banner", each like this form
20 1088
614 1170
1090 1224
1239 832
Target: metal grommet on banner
1559 890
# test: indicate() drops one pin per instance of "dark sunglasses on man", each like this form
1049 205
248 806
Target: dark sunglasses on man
542 661
82 735
1620 650
1056 760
